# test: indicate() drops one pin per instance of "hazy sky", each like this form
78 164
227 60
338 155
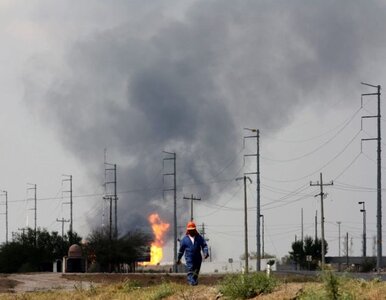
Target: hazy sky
140 77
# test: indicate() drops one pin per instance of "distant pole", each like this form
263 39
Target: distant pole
339 265
111 218
339 222
379 171
245 221
321 194
69 179
62 221
115 203
347 249
191 198
262 236
316 225
35 210
6 216
111 195
302 225
71 211
363 210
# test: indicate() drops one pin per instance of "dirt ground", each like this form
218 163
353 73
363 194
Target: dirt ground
16 283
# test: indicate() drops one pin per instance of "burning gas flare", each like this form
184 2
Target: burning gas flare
159 228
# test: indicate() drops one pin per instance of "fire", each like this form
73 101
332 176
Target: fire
159 228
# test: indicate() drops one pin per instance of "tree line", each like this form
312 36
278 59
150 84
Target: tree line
31 251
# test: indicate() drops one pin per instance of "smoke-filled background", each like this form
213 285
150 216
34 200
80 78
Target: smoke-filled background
137 78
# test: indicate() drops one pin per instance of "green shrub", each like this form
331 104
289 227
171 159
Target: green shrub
130 285
162 291
331 284
245 286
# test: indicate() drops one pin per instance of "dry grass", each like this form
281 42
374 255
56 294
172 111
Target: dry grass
131 289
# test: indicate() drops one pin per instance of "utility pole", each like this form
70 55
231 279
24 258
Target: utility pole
316 225
262 236
257 173
339 265
34 209
363 210
203 232
246 220
191 198
111 196
62 221
6 216
321 194
302 225
172 157
339 222
347 254
69 179
115 203
379 173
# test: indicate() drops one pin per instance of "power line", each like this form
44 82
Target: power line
321 168
348 120
317 148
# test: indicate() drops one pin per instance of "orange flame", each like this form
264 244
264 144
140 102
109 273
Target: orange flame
159 228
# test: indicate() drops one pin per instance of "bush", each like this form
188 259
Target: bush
162 291
245 286
331 283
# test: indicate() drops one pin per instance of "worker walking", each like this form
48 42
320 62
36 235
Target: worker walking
192 244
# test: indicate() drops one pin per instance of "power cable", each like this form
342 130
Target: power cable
319 169
317 136
317 148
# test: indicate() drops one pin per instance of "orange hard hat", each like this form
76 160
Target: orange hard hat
191 226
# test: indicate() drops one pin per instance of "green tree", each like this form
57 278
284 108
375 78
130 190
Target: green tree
308 247
28 252
110 253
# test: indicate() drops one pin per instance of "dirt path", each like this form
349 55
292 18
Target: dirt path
43 281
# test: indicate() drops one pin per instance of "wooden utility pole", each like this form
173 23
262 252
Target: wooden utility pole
321 194
62 221
191 198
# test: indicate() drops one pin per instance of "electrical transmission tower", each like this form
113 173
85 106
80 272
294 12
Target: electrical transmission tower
257 173
5 193
379 167
35 209
191 198
69 180
322 196
171 156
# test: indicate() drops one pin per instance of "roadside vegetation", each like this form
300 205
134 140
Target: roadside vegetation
31 251
235 286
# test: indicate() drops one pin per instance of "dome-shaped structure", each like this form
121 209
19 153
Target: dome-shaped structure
75 251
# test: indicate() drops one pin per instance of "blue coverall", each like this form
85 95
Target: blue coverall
193 256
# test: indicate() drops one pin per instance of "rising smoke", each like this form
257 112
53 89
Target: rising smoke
191 84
